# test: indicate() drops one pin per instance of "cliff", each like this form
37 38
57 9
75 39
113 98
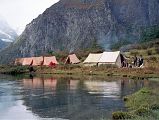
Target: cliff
70 25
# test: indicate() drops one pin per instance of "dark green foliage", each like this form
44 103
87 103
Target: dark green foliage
14 70
142 111
149 52
133 53
121 115
154 107
157 50
150 33
119 44
125 98
60 55
153 58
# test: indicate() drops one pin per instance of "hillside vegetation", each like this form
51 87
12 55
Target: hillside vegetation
149 51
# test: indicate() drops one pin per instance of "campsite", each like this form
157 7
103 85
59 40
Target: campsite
105 64
79 60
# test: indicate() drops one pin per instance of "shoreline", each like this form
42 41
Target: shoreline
133 73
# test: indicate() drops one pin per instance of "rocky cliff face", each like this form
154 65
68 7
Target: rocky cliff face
75 24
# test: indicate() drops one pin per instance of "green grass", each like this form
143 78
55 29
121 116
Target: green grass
142 105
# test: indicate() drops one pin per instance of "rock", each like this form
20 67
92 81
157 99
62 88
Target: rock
70 25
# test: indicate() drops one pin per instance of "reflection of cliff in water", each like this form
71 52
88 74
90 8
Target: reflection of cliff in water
76 99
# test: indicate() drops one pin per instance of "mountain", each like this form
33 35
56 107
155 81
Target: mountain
3 44
7 34
70 25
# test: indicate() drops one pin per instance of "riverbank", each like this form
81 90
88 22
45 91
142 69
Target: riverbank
133 73
142 105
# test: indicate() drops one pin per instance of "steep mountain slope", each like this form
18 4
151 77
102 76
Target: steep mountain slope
7 34
3 44
70 25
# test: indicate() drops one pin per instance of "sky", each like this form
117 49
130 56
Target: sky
18 13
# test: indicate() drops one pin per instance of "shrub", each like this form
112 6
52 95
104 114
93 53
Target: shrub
125 99
154 107
149 52
107 66
145 90
142 111
157 50
121 115
133 53
152 58
150 33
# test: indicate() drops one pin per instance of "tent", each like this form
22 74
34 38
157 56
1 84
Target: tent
72 59
92 59
37 61
27 61
19 61
50 60
112 58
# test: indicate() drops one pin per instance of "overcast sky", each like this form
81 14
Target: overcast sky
18 13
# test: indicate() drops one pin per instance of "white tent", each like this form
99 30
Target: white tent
112 58
92 59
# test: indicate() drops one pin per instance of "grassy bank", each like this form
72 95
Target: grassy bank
143 105
134 73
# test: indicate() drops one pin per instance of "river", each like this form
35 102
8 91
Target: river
63 98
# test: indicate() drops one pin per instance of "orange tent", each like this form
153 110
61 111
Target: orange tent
72 59
27 61
50 60
37 61
19 61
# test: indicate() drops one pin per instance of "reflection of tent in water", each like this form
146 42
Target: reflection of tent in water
108 89
73 84
49 61
72 59
92 59
50 83
33 83
40 83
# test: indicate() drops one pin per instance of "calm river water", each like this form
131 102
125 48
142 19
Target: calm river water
63 98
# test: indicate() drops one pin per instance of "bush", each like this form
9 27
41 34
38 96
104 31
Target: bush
150 33
121 115
119 44
149 52
106 66
157 50
154 107
145 90
14 69
142 111
153 58
133 53
125 99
